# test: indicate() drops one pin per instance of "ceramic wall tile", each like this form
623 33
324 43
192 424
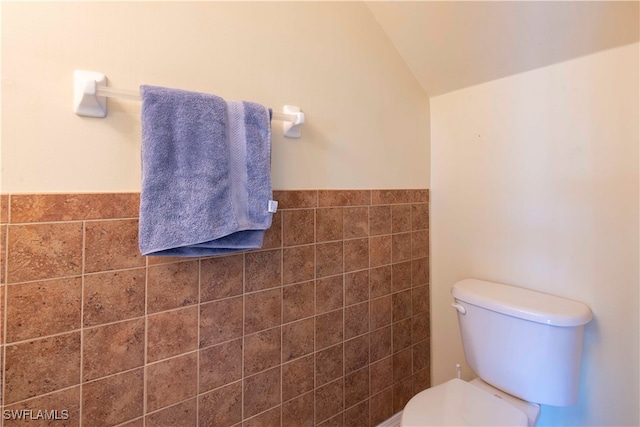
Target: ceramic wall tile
326 325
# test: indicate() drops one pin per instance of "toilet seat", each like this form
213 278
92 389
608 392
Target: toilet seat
458 403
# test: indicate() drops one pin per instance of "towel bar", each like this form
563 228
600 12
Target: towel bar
90 92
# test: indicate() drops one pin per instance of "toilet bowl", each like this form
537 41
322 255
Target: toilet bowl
460 403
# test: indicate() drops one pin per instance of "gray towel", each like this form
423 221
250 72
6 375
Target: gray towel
206 165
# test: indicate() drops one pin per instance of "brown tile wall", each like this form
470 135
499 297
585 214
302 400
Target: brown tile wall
327 325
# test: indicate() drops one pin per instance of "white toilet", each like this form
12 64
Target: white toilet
525 347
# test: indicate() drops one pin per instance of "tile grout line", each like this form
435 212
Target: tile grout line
242 361
344 300
5 271
391 320
282 316
82 281
49 393
369 391
315 310
282 313
145 377
71 276
198 365
72 220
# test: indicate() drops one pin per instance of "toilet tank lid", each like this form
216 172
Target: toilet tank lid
522 303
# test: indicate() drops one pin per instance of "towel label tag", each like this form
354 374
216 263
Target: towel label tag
273 206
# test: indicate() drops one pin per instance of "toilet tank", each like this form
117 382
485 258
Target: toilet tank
526 343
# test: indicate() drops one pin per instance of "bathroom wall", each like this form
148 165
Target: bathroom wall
327 325
535 184
365 112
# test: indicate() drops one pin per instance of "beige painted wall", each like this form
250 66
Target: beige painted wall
367 117
535 184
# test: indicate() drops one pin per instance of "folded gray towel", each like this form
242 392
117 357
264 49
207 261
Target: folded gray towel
206 174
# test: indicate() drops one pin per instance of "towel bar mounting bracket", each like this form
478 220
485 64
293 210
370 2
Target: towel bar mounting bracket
292 129
86 101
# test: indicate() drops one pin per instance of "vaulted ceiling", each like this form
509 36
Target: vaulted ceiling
450 45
